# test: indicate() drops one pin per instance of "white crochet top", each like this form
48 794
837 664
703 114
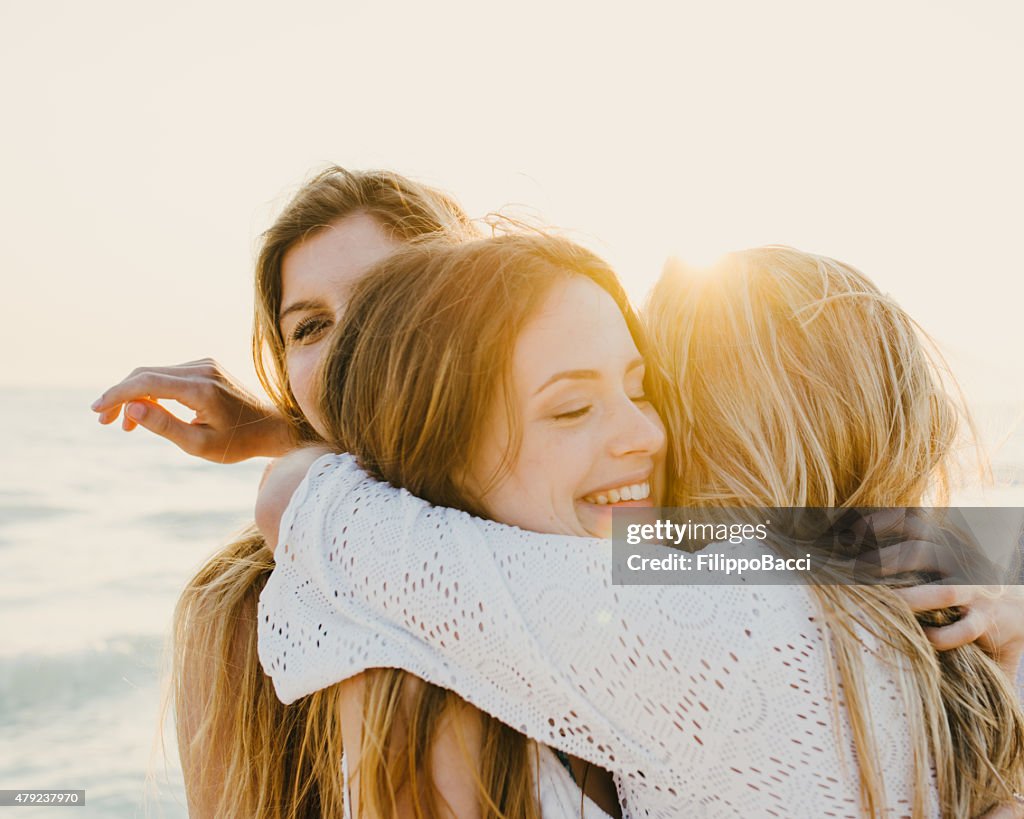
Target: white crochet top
701 700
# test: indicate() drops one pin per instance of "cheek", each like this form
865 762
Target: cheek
555 466
299 378
302 369
537 493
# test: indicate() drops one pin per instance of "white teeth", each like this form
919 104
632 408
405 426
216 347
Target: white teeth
636 491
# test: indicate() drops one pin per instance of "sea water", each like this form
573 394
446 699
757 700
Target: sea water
99 532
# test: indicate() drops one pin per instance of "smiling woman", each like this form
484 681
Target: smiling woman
503 377
575 372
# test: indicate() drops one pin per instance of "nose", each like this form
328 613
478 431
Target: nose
637 430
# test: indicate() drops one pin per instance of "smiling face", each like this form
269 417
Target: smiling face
588 439
316 278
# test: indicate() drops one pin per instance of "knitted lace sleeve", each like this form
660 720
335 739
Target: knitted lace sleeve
700 695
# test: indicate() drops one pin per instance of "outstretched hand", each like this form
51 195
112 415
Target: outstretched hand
230 424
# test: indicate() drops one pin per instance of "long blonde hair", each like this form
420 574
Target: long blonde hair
407 387
796 382
242 751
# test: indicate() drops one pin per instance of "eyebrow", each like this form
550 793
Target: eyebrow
294 307
581 375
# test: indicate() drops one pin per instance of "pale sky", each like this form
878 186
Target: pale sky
146 146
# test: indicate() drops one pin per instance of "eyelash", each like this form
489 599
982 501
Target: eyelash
307 326
579 413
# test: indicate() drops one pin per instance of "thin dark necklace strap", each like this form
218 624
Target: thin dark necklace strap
563 757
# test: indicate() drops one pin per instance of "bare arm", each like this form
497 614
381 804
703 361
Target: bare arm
280 480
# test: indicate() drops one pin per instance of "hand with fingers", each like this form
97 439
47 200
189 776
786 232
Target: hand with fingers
990 615
230 424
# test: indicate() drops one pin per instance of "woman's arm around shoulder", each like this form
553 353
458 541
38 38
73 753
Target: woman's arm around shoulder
528 628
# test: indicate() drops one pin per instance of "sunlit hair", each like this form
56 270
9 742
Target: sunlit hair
408 385
796 382
244 754
403 208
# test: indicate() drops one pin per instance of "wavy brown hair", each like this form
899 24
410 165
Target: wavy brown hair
408 385
796 382
243 753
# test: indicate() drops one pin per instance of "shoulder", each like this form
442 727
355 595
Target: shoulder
282 478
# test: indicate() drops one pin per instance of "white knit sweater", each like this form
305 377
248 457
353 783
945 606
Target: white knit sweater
701 700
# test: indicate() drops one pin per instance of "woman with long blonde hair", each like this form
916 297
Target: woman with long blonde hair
798 383
828 700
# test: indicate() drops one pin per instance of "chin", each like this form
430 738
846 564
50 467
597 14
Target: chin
593 521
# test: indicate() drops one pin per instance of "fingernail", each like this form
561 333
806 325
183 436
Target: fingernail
96 404
136 411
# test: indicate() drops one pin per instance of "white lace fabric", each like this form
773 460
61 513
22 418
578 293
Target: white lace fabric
701 700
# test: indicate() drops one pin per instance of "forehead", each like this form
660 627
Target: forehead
578 326
327 262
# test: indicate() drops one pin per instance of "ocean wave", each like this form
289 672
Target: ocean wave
36 685
216 524
12 513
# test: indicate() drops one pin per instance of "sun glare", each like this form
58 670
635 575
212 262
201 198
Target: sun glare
699 264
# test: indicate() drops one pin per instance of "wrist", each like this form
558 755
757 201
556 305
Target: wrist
275 439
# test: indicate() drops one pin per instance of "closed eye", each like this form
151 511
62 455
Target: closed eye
576 413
